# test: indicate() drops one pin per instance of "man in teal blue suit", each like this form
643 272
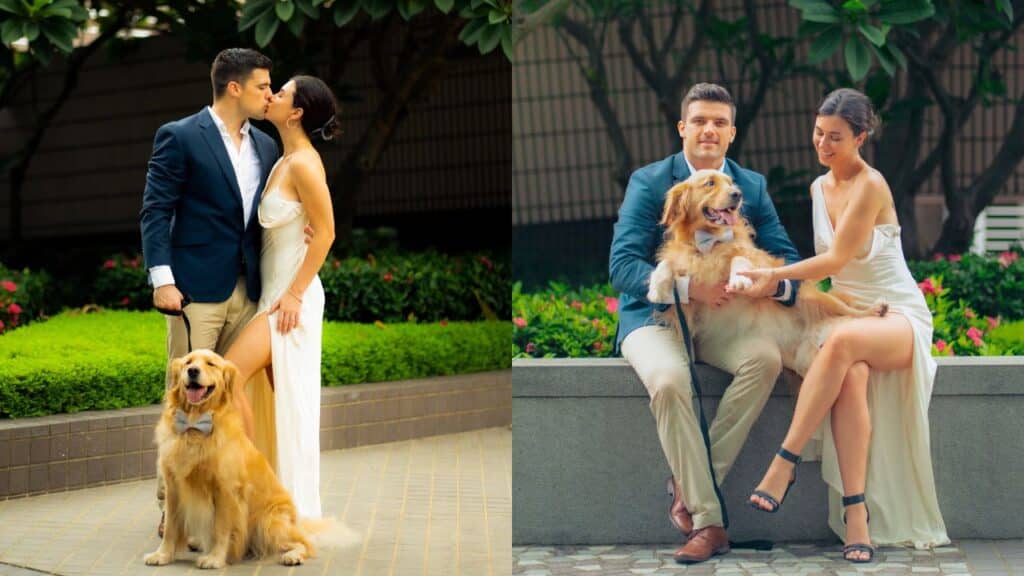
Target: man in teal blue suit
656 351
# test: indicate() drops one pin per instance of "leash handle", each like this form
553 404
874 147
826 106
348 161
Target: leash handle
185 301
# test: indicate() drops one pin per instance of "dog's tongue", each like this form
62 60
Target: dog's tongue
195 395
728 216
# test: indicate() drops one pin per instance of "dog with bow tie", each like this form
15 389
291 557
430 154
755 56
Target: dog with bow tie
707 240
220 489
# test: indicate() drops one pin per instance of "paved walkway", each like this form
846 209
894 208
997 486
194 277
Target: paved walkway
980 557
440 505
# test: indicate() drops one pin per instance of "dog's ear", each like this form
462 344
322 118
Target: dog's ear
674 204
230 374
175 392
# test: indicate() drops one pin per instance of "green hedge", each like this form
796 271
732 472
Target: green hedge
116 359
22 297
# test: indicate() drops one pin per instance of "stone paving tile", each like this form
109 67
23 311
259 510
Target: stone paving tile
975 557
438 505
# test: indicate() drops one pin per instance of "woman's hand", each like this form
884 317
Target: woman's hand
765 282
287 308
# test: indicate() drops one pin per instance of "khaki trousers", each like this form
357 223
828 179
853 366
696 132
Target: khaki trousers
658 355
215 326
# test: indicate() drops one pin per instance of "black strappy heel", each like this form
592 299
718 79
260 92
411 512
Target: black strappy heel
866 548
776 504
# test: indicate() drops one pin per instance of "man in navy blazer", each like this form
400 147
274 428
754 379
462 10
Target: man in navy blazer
200 234
656 351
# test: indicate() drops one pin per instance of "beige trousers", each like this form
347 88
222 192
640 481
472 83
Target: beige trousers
659 358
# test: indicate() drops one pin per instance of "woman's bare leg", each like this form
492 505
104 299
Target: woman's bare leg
881 343
851 430
250 352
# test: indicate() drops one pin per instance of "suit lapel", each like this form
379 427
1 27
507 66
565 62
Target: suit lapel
680 171
267 161
213 139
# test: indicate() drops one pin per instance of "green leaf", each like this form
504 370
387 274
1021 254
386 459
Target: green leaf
284 10
826 14
252 12
489 38
874 35
1007 7
885 59
30 30
296 24
10 31
471 32
897 55
854 7
59 35
858 57
308 8
377 9
496 16
265 29
905 11
507 45
344 11
12 6
825 46
317 3
444 6
809 4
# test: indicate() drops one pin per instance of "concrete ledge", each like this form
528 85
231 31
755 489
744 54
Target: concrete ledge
68 451
588 468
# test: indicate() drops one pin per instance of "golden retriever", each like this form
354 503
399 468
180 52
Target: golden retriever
708 201
220 489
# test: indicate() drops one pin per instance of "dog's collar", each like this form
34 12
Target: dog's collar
706 240
204 423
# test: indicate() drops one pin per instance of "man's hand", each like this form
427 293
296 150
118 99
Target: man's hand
308 231
714 295
167 297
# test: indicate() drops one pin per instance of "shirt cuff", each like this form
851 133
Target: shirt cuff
783 292
160 276
683 287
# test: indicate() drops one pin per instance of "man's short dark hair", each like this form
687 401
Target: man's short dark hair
707 92
235 65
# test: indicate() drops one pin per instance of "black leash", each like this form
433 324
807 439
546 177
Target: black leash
698 400
185 301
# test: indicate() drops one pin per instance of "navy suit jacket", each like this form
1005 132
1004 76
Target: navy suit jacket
638 234
192 214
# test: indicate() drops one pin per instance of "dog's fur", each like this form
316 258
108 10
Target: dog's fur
708 200
220 489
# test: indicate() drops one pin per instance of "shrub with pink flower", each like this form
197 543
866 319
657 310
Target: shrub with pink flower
564 322
22 297
958 330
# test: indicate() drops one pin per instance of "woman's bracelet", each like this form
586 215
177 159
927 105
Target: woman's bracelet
294 295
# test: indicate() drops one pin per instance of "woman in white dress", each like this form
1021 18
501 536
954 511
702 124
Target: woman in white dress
874 375
285 333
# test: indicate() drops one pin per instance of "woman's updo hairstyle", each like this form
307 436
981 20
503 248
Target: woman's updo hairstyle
319 108
852 106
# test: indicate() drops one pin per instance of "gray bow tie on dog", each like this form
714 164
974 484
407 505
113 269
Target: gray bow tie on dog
706 240
181 424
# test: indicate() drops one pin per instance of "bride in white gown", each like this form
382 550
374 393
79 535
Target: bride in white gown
285 333
872 376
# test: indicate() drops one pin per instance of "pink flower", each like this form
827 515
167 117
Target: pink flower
595 322
1 325
576 305
126 301
443 322
8 285
598 346
133 263
938 257
955 257
388 277
977 342
1007 258
14 309
530 348
109 264
336 264
483 260
969 314
973 333
992 322
928 287
941 346
519 321
611 304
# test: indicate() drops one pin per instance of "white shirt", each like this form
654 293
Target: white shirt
683 282
246 165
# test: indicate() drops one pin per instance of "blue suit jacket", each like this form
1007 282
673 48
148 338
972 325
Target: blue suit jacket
192 215
638 235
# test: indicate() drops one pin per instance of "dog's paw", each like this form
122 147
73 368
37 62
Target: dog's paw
660 286
209 561
157 558
880 307
292 558
739 283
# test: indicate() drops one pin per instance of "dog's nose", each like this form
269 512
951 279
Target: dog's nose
735 195
193 372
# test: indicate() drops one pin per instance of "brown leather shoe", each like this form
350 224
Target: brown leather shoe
678 515
703 544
